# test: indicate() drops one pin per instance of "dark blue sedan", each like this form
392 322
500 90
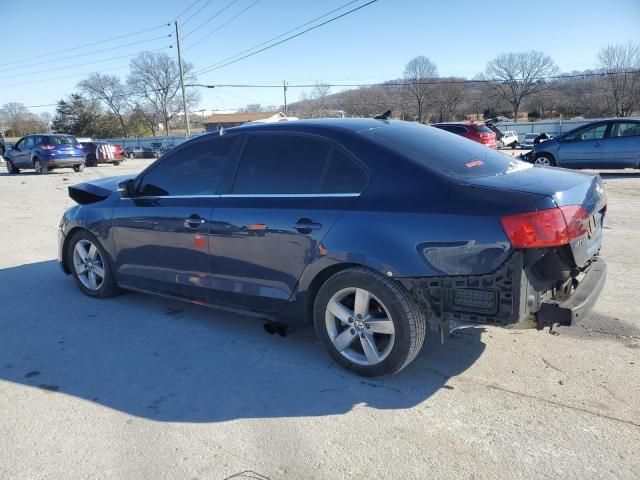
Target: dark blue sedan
372 230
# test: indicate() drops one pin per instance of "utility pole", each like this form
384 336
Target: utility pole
284 88
184 97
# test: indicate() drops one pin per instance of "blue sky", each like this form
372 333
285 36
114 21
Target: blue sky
370 45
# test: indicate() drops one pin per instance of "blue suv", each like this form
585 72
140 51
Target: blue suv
44 153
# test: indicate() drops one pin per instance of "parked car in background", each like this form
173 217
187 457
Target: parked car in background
2 146
509 139
135 151
613 143
46 152
160 148
102 152
477 132
527 141
385 227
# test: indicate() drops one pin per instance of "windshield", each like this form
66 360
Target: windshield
447 154
531 136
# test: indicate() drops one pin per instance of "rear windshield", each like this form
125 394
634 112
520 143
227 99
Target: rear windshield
62 140
447 154
483 128
529 136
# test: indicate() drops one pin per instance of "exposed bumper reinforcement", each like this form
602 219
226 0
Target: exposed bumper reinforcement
581 301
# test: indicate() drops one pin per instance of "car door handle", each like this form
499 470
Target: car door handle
306 225
194 221
596 145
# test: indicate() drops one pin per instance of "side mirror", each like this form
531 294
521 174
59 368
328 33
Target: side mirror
126 188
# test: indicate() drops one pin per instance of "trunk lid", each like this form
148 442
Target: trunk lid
565 187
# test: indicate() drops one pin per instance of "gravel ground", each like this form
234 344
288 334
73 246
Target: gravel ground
142 387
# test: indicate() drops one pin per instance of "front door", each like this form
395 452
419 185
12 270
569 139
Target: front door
288 192
583 148
162 233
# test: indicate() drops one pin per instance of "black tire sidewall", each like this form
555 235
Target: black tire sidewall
108 285
388 294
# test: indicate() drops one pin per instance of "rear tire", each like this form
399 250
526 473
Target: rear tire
78 168
39 167
544 160
514 145
368 323
116 163
89 265
132 155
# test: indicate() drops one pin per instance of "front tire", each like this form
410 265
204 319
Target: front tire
89 265
368 323
544 160
10 168
132 155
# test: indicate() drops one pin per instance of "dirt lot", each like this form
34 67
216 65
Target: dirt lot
143 387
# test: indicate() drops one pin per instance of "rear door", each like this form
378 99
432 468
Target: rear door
162 233
583 148
288 192
622 148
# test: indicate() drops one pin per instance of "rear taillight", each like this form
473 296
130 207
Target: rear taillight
546 228
47 147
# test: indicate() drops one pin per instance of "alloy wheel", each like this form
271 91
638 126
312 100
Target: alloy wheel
38 166
543 162
359 326
88 264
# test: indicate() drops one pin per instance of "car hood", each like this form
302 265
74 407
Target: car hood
96 190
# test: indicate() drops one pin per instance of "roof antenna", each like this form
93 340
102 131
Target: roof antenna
383 116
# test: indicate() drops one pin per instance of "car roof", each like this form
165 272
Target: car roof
320 124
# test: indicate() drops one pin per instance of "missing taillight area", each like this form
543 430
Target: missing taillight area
546 228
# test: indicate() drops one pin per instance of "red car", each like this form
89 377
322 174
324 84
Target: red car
102 152
477 132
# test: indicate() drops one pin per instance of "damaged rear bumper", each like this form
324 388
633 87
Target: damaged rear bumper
512 296
581 301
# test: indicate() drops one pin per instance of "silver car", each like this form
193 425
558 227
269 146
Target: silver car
613 143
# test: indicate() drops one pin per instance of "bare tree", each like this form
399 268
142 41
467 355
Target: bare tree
16 119
515 76
447 94
418 73
155 77
313 104
621 63
110 90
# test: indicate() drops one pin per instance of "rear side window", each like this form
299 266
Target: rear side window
446 154
281 164
625 129
343 175
192 171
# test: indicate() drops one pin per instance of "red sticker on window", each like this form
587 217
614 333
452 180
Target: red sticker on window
474 163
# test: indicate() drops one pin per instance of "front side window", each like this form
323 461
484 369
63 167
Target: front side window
595 132
193 170
625 129
281 164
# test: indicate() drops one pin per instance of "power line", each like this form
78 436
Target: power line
184 11
429 82
164 25
222 25
72 66
196 12
93 52
212 66
211 17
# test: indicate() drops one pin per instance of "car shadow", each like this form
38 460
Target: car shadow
170 361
